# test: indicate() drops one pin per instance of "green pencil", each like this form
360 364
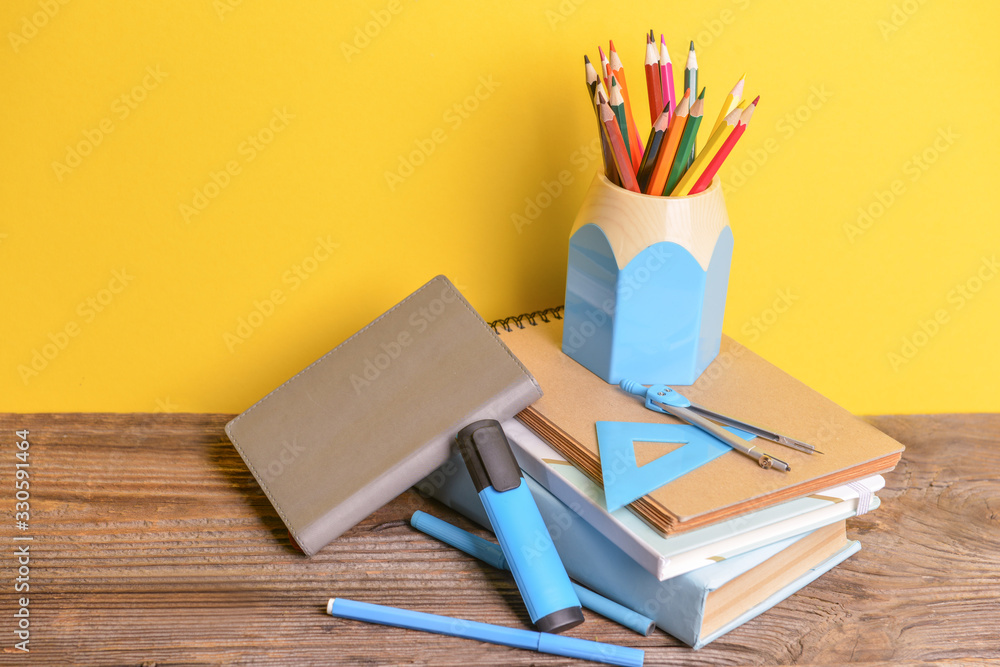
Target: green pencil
691 81
680 164
617 104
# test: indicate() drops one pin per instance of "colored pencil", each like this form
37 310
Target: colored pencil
706 154
727 147
656 135
671 164
732 101
691 81
596 91
668 149
653 83
617 103
635 146
613 134
667 76
687 143
593 80
605 70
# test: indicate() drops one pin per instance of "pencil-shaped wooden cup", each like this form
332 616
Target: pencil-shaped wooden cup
646 283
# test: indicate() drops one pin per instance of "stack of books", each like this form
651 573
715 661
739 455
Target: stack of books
712 549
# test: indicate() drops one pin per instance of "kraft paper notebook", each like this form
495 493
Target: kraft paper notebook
739 384
377 413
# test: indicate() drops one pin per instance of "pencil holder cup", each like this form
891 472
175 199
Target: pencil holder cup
646 284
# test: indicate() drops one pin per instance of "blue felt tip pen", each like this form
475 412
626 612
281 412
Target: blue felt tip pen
532 557
495 634
490 553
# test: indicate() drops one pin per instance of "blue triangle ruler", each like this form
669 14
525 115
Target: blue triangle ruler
624 480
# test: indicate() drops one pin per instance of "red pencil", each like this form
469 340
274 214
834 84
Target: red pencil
617 143
633 139
727 147
653 83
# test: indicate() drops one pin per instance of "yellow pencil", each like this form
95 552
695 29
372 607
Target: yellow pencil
706 154
732 101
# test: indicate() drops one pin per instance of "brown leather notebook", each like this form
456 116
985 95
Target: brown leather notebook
378 413
739 384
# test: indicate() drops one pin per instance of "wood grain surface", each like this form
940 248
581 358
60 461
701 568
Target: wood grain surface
153 545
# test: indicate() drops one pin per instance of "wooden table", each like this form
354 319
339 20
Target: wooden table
152 544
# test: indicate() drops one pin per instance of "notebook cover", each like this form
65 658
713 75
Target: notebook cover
666 557
676 605
377 413
739 384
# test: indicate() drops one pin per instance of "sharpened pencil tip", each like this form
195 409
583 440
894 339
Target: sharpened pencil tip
601 51
692 45
702 96
755 100
586 59
612 43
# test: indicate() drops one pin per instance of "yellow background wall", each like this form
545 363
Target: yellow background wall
172 168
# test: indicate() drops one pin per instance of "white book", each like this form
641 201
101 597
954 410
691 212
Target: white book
666 557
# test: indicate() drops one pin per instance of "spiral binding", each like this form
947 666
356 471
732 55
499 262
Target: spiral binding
518 320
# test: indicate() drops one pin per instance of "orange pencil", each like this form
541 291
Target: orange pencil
614 136
658 180
635 144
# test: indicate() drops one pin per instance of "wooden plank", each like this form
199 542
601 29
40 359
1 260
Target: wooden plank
153 544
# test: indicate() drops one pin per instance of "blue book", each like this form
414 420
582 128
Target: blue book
697 607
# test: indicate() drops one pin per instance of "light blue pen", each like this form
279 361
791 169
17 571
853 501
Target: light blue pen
490 553
543 642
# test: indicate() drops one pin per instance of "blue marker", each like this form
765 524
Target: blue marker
490 553
495 634
538 571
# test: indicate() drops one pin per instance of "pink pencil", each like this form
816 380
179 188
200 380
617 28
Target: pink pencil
667 77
